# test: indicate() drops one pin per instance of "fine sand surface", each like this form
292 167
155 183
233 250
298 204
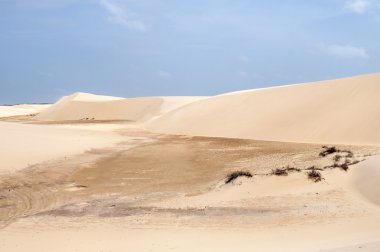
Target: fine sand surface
85 174
24 144
82 106
22 109
160 193
338 111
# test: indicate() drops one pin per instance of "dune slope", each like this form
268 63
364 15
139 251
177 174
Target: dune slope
22 109
365 179
336 111
82 106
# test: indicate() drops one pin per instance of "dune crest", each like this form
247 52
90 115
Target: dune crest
336 111
83 106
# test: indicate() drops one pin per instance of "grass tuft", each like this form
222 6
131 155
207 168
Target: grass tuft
314 175
327 151
280 172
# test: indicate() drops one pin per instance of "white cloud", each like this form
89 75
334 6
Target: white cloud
346 51
358 6
121 16
164 74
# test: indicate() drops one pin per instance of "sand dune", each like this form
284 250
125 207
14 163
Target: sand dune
143 191
82 106
336 111
365 179
22 109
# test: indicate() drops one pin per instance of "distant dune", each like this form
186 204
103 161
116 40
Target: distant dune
344 111
337 111
22 109
83 106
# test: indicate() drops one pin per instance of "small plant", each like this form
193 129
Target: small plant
314 175
335 165
337 158
344 166
280 172
234 175
327 151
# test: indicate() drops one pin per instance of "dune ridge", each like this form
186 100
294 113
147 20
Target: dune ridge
336 111
84 106
22 109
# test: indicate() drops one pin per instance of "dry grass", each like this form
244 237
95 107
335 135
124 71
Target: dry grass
234 175
314 175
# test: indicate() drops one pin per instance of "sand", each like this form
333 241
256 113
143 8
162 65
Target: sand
23 145
88 174
83 106
22 109
168 193
337 111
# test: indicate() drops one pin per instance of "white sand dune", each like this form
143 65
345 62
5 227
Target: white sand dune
264 213
337 111
81 106
365 179
22 109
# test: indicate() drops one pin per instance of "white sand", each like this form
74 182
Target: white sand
341 111
23 144
130 233
62 235
366 178
338 111
22 109
81 106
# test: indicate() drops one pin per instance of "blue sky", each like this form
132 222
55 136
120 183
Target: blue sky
129 48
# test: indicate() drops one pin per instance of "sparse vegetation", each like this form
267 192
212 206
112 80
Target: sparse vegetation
314 175
313 168
234 175
343 159
337 158
344 166
327 151
292 169
349 153
280 172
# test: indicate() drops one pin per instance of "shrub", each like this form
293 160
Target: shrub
335 165
328 151
234 175
314 175
344 166
280 172
337 158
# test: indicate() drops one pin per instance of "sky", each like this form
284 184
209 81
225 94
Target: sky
132 48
